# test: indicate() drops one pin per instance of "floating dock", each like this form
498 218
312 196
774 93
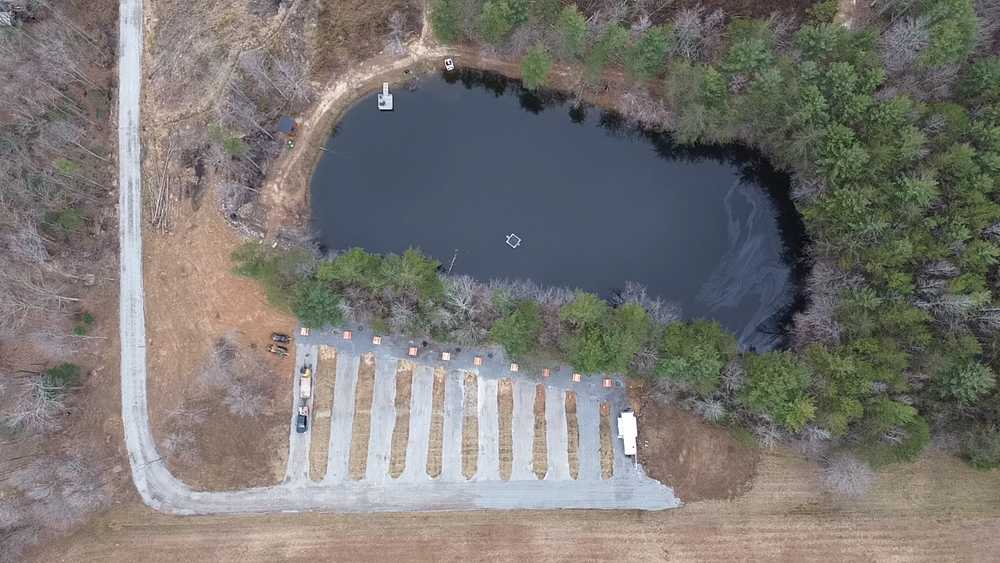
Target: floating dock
385 98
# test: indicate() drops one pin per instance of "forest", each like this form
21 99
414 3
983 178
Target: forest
891 133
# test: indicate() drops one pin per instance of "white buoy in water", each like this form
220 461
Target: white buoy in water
513 240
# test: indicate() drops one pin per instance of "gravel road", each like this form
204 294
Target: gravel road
162 491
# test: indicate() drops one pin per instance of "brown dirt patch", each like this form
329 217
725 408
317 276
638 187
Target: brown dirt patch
607 447
699 460
401 431
539 451
435 441
470 426
573 435
214 440
193 298
505 406
325 379
354 30
364 392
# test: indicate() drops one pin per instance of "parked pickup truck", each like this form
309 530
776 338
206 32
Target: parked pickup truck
280 338
305 383
302 420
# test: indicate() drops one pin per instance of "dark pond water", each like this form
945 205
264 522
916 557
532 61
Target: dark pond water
465 160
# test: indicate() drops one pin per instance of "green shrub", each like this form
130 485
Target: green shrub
915 435
585 349
535 67
232 143
585 309
982 447
694 354
544 12
497 20
777 386
316 305
65 221
83 327
980 81
952 31
966 383
63 375
354 267
572 32
279 271
610 49
446 20
649 54
66 166
518 331
601 339
627 329
823 12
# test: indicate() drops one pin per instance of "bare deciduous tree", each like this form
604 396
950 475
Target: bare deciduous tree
733 377
291 74
768 434
240 374
645 360
696 35
849 476
711 410
25 290
817 323
30 403
397 31
402 315
25 243
902 44
643 110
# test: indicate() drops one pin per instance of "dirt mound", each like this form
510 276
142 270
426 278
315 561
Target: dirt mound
699 460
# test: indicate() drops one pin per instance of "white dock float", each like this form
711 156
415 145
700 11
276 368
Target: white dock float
385 98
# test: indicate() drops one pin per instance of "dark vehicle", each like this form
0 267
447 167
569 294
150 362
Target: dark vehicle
280 338
278 349
302 420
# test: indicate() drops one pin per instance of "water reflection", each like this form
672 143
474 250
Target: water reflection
597 200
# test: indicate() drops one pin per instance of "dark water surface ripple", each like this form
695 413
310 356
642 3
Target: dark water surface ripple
467 159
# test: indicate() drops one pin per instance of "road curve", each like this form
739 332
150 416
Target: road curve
162 491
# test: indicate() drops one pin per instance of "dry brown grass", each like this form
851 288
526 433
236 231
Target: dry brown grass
361 433
573 435
319 445
401 431
436 440
470 426
607 449
539 450
505 408
937 509
354 30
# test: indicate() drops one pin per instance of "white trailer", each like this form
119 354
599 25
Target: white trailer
628 431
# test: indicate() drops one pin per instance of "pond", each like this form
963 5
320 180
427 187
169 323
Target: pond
466 159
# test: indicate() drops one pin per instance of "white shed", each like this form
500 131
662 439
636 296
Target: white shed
628 431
